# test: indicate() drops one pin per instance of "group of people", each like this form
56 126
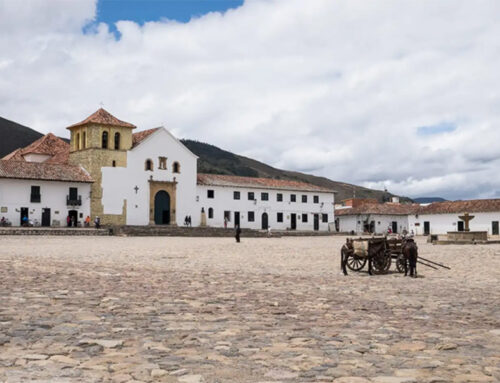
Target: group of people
187 221
5 222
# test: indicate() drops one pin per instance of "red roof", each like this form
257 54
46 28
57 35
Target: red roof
49 145
43 171
380 209
103 117
138 137
460 207
261 183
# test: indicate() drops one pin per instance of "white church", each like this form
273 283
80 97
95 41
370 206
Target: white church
145 178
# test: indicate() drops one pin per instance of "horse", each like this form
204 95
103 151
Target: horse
409 250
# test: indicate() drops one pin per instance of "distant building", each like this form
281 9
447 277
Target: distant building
434 218
145 178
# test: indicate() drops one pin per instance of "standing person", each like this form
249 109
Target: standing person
237 233
186 220
225 222
189 220
97 222
73 221
68 220
87 221
269 231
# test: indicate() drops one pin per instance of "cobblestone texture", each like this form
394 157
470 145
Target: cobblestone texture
111 309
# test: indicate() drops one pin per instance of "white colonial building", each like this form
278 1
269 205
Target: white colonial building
146 178
259 203
435 218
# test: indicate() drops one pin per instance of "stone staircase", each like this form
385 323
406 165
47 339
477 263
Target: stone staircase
60 231
181 231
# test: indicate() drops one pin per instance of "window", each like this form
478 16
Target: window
279 217
293 197
304 217
104 143
304 198
251 196
162 163
35 194
210 213
264 196
117 141
279 197
84 140
251 216
316 199
77 141
325 218
148 165
176 167
210 194
236 195
227 216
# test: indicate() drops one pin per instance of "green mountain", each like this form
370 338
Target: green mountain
211 160
215 160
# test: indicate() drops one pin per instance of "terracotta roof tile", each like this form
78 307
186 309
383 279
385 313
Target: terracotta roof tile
138 137
103 117
380 208
251 182
460 207
49 145
43 171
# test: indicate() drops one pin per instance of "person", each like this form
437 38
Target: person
87 221
269 230
186 220
25 220
2 221
237 233
68 220
97 222
225 222
189 220
73 221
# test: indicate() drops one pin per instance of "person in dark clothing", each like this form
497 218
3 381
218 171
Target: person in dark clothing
237 233
97 223
189 220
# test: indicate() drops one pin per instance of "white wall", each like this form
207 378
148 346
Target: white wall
442 223
15 194
119 183
348 223
224 200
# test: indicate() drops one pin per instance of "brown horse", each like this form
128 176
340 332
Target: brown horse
409 250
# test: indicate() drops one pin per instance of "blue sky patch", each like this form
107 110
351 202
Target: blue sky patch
141 11
442 127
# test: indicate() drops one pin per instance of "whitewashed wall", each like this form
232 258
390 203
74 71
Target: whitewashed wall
348 223
15 194
442 223
223 200
119 183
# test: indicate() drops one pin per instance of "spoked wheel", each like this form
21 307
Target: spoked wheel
356 263
381 263
400 263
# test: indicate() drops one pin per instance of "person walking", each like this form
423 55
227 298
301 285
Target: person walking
237 233
97 222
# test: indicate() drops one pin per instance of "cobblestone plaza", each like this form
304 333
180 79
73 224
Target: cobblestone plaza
119 309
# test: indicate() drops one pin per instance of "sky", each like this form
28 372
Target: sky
397 94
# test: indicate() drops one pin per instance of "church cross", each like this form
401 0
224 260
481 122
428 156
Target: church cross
136 189
466 218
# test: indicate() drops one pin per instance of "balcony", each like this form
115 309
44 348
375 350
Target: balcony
74 200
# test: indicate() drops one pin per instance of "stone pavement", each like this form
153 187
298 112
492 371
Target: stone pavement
190 310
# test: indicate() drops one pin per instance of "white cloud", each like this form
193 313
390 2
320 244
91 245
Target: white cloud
338 88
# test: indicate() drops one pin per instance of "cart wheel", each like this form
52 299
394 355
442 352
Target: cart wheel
356 263
381 263
400 263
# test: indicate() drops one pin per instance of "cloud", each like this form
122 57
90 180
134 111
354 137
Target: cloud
338 88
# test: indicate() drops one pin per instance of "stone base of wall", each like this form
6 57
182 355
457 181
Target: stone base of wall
52 231
467 236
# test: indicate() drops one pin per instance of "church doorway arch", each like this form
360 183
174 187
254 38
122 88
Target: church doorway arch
162 208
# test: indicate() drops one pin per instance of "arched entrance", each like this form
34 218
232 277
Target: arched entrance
162 208
265 221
